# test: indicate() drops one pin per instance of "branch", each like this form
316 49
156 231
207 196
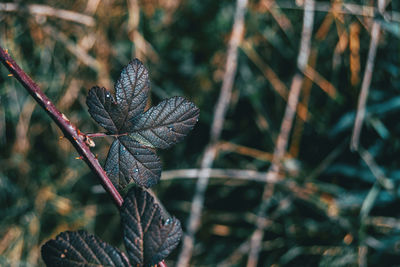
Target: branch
70 131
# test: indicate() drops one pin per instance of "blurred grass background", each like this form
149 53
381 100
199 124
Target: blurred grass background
332 207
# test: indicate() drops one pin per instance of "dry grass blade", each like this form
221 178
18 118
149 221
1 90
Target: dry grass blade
245 175
286 126
271 76
74 48
44 10
343 8
216 129
355 139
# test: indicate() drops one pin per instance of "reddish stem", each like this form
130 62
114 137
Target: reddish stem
70 131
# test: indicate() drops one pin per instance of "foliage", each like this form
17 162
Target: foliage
130 157
329 207
148 236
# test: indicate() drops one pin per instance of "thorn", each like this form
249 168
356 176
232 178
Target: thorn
9 63
6 50
10 75
75 138
96 156
80 157
90 142
61 137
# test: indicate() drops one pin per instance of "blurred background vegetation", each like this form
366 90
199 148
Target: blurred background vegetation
331 207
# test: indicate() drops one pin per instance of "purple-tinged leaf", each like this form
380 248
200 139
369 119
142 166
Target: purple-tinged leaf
131 91
130 157
129 161
149 238
77 249
103 109
166 124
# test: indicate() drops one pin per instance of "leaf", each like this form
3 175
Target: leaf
71 249
128 160
104 109
149 238
131 90
130 157
167 123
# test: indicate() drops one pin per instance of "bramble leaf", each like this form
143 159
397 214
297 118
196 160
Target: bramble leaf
128 160
131 90
161 126
73 249
149 238
103 109
166 124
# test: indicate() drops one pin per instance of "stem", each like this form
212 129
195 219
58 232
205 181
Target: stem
70 131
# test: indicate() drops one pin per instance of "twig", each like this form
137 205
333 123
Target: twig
246 175
44 10
21 144
244 150
143 48
70 131
286 126
327 161
362 255
218 121
362 100
271 76
236 255
72 47
344 8
319 80
379 174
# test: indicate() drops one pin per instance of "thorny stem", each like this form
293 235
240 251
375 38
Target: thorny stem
71 132
78 139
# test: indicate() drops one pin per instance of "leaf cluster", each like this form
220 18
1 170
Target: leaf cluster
148 238
132 156
149 234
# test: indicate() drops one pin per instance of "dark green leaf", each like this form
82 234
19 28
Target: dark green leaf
104 109
72 249
128 160
131 90
167 123
149 238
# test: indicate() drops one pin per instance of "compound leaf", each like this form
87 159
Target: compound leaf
103 109
166 124
73 249
130 157
131 91
128 160
149 237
